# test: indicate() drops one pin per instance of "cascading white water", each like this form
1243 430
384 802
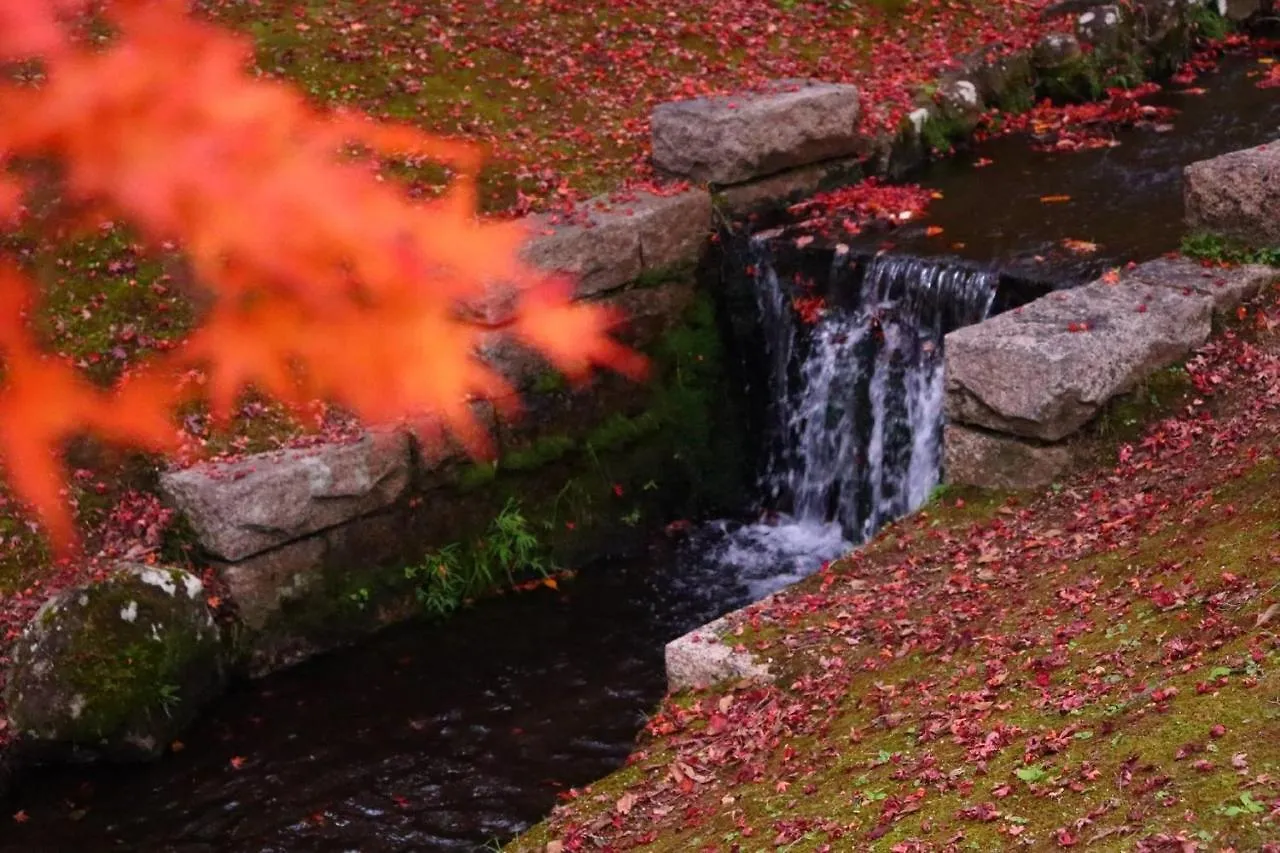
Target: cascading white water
857 409
861 420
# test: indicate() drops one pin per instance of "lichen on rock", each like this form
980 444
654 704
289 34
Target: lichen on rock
115 668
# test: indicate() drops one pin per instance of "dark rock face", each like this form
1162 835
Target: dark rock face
1101 27
1236 195
975 457
728 140
115 669
1240 10
1055 51
249 506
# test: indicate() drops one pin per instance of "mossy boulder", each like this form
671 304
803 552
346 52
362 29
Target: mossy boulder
116 668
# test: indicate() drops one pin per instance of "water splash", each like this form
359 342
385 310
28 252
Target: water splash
856 408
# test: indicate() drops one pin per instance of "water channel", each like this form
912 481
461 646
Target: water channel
452 737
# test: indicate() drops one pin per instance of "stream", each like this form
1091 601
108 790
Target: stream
459 736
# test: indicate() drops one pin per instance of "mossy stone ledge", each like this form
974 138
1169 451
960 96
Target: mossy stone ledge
115 668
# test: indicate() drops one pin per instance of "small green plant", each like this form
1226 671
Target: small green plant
1031 774
1207 23
444 578
632 518
170 695
440 579
1245 805
1210 247
510 545
360 597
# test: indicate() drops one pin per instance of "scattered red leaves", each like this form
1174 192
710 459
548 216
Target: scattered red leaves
809 308
868 204
1080 127
1051 612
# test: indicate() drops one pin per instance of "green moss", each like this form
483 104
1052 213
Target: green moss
658 276
477 474
549 382
1120 732
543 450
1205 246
941 132
1124 418
1076 80
124 671
1018 96
619 431
341 603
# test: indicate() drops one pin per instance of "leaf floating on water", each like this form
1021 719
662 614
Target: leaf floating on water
1081 247
1054 199
933 231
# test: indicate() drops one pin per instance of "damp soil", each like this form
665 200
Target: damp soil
457 736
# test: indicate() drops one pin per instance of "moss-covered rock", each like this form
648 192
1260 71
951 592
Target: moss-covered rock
115 668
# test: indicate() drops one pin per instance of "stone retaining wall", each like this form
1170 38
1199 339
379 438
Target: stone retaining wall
1022 385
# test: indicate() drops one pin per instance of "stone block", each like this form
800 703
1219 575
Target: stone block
1100 27
600 253
789 186
731 139
1236 195
251 505
1240 10
1045 369
988 460
701 658
1055 51
674 229
1226 287
647 313
613 239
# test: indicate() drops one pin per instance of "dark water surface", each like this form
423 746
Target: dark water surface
447 738
423 739
1126 199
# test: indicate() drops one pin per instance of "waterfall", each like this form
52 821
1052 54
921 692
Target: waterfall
854 413
858 420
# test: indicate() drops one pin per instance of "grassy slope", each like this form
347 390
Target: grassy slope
561 90
1095 667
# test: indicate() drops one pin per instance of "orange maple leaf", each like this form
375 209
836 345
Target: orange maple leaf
327 283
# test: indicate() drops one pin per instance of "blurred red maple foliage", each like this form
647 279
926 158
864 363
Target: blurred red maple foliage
327 282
